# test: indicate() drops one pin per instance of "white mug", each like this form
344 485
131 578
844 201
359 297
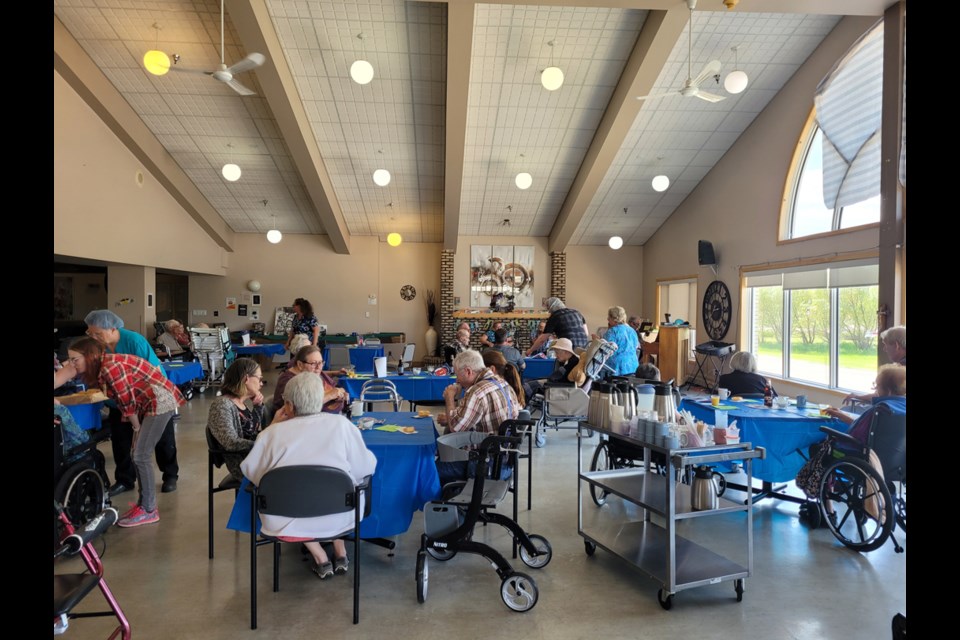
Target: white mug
356 408
723 393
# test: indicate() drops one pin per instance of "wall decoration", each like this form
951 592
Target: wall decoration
231 304
408 292
242 310
256 300
506 269
283 320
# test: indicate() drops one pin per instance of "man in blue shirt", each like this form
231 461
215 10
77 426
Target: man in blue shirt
106 327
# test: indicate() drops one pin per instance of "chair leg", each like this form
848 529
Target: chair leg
209 506
530 439
253 562
276 567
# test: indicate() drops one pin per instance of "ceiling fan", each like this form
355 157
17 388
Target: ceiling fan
226 74
691 88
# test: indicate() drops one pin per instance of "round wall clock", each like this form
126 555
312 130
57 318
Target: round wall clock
716 310
407 292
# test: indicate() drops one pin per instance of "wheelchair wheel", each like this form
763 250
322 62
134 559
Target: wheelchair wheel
441 554
544 552
856 505
82 493
423 576
519 592
601 462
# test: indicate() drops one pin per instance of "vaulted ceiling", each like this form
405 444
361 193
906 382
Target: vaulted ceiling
455 110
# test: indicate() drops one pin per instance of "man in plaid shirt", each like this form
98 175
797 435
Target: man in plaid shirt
562 323
487 401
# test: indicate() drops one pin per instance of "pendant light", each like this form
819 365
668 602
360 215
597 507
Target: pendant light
231 172
660 182
523 180
552 77
394 239
381 177
736 80
615 242
273 236
361 71
155 61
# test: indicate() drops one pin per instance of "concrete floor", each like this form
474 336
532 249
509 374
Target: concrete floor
805 584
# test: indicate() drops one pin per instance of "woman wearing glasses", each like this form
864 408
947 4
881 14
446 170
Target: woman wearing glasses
310 359
236 417
146 399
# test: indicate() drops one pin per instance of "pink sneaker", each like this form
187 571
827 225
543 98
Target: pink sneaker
138 516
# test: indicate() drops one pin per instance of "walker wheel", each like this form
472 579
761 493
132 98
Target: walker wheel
589 547
519 592
665 601
423 576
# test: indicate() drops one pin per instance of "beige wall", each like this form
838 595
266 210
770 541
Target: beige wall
127 289
101 213
737 205
338 286
599 278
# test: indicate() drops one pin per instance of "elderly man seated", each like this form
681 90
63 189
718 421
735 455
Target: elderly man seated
175 341
308 436
460 344
487 402
511 353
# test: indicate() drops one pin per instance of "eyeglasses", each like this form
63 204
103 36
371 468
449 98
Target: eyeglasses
259 378
318 363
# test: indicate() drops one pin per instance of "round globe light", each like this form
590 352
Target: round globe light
660 183
381 177
735 82
551 78
274 236
156 62
615 242
361 71
523 180
231 172
254 285
394 239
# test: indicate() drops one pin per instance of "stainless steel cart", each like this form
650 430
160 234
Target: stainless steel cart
655 548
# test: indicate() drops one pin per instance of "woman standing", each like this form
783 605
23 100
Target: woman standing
146 399
304 324
236 417
624 360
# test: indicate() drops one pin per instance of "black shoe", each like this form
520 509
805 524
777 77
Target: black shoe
169 486
118 488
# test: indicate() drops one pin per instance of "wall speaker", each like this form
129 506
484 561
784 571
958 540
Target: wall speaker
705 254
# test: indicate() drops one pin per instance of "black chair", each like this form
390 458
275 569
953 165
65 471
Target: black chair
215 453
304 491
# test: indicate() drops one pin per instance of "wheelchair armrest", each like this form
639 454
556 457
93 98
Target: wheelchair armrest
841 437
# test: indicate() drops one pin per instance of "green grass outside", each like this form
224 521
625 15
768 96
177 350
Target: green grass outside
850 356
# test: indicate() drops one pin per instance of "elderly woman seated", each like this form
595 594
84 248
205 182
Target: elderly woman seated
309 436
894 344
175 341
744 377
891 386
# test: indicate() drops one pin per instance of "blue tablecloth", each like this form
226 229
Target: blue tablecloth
783 432
406 477
410 387
360 357
86 415
181 372
269 349
538 368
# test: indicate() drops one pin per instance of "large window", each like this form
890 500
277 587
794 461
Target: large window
815 324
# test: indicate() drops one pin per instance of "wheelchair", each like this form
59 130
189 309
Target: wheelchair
449 523
859 505
80 478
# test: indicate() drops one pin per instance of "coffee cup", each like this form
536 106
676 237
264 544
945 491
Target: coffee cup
801 402
723 393
356 408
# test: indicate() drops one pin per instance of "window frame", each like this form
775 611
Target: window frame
693 280
792 183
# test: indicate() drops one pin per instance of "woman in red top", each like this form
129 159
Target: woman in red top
146 399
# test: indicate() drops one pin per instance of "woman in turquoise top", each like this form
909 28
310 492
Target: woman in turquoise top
624 361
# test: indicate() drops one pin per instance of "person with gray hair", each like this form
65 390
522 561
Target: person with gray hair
744 377
893 341
563 322
237 416
624 361
309 436
107 328
174 339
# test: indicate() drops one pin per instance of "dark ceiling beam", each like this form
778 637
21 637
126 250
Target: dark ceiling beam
823 7
253 24
82 74
657 38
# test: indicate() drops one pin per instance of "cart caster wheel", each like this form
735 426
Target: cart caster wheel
589 547
541 440
665 602
544 552
519 592
738 585
423 577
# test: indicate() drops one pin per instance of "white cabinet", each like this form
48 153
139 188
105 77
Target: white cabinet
652 544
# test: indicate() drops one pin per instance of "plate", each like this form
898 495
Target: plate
441 371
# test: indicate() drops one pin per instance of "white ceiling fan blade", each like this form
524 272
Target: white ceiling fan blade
710 97
655 96
193 71
252 61
239 88
712 69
